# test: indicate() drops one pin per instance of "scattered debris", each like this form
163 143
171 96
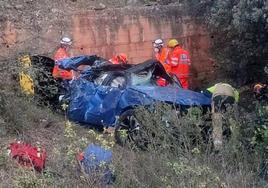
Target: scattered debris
27 155
96 160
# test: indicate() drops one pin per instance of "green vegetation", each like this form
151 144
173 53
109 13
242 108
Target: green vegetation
178 151
177 155
239 29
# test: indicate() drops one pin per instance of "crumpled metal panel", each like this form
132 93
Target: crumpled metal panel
91 104
74 62
174 95
99 105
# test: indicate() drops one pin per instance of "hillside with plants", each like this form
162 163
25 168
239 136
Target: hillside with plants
177 152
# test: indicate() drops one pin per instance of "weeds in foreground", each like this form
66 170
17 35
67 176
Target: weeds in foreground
179 153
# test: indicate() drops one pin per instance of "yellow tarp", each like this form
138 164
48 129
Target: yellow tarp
26 82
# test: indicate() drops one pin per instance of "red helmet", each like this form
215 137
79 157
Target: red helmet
122 58
119 59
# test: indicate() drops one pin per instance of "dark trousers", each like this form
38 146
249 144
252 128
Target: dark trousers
222 102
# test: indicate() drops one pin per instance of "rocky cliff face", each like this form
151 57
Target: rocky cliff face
32 27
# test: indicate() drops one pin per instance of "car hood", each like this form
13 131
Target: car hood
101 105
173 95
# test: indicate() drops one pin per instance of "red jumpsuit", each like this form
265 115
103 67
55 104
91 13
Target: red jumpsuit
61 53
179 60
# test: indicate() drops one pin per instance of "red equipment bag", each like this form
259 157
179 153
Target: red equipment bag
27 155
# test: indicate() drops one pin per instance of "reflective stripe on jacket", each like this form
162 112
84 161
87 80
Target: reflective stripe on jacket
179 60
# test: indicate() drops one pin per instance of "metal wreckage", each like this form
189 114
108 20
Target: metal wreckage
105 94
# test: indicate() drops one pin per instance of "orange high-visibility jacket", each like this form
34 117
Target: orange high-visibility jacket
162 58
61 53
114 60
179 60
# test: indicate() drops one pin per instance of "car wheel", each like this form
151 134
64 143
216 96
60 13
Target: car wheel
129 130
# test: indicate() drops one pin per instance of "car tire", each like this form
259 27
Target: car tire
129 131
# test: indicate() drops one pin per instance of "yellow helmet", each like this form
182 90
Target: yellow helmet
172 43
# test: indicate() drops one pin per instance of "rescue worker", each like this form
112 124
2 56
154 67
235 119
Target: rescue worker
179 61
223 96
119 59
161 53
60 54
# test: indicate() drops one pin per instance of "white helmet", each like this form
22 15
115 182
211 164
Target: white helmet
158 43
66 40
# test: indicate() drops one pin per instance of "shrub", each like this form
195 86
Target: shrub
238 30
177 156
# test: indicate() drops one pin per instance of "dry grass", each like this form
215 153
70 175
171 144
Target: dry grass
180 160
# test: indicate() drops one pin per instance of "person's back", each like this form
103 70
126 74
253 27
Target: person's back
223 89
223 95
179 60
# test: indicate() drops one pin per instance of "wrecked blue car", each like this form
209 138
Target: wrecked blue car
104 92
